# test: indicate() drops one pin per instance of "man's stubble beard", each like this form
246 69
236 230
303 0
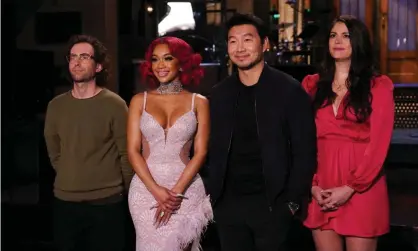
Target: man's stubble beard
259 59
83 79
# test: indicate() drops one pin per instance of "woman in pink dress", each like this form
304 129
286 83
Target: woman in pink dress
354 116
167 199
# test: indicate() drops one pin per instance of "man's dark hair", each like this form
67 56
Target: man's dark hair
100 56
240 19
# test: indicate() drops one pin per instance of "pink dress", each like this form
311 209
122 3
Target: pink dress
352 154
167 154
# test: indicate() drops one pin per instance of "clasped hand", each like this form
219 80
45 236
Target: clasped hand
331 199
168 202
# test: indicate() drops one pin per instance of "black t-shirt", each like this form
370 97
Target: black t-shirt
245 171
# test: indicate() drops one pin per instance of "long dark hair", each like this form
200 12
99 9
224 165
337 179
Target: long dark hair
362 70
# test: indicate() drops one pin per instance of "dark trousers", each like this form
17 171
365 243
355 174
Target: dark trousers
89 227
245 223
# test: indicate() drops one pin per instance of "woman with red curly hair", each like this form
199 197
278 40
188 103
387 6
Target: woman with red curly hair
167 199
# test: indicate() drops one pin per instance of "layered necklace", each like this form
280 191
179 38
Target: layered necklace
174 87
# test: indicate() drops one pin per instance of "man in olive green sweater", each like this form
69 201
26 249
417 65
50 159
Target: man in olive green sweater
85 133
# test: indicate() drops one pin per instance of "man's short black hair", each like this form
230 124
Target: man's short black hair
240 19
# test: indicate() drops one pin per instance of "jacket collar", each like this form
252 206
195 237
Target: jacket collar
261 81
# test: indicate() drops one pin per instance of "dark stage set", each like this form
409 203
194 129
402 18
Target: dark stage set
32 77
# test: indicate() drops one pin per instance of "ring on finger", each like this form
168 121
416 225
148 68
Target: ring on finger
162 214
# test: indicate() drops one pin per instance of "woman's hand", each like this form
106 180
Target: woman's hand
161 217
317 194
337 196
167 200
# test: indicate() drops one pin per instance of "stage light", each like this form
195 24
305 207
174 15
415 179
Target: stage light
179 17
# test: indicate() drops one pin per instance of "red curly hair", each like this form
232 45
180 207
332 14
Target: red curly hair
189 62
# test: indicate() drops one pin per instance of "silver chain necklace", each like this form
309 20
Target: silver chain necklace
174 87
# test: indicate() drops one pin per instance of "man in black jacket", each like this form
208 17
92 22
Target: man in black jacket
263 145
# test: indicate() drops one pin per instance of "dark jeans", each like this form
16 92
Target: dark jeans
83 226
245 223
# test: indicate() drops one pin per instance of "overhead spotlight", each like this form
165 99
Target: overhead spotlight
150 9
179 17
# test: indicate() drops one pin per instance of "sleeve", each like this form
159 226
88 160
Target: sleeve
381 127
315 180
309 85
302 137
119 125
52 138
